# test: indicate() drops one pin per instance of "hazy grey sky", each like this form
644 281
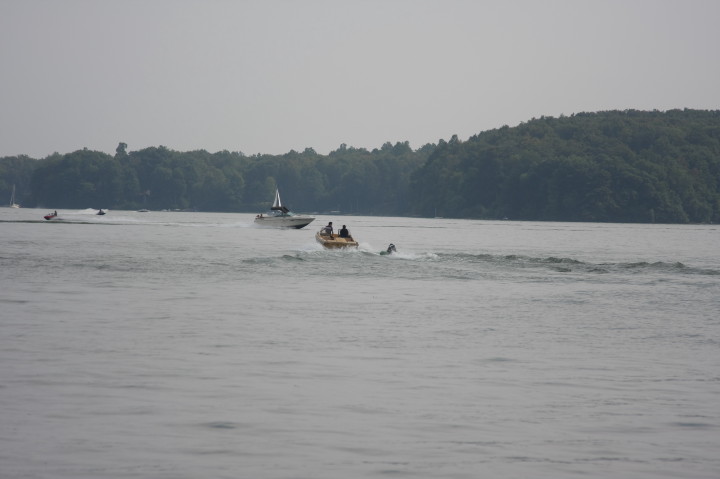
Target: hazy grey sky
269 76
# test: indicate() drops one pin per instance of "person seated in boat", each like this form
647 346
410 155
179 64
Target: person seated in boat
344 233
55 213
391 249
328 230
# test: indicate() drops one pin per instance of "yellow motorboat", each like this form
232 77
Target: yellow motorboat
332 241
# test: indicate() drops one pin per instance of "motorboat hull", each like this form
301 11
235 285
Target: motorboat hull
334 241
296 221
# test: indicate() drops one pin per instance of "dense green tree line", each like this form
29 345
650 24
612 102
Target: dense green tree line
624 166
355 181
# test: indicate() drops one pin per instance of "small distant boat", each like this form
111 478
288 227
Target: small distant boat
334 241
143 210
12 199
51 216
100 212
281 217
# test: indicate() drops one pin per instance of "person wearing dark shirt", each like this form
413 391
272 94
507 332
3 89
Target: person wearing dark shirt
344 233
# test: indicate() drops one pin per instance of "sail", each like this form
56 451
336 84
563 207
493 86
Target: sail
276 204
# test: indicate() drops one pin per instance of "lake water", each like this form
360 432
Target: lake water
195 345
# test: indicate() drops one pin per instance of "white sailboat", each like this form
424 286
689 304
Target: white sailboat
12 199
281 217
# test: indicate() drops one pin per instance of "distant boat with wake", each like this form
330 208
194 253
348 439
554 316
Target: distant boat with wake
281 217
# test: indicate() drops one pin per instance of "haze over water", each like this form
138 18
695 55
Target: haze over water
185 345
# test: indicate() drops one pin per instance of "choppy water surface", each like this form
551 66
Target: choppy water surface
186 345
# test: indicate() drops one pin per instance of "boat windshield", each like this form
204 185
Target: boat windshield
280 213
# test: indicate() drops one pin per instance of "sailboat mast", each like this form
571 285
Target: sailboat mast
12 198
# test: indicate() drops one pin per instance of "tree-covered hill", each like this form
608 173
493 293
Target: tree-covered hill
621 166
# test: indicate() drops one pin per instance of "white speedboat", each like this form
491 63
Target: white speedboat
281 217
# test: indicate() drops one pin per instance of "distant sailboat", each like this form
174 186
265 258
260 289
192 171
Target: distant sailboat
12 199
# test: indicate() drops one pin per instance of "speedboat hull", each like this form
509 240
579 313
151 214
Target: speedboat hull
295 221
335 241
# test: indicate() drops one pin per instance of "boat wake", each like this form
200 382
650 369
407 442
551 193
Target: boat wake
467 266
569 265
